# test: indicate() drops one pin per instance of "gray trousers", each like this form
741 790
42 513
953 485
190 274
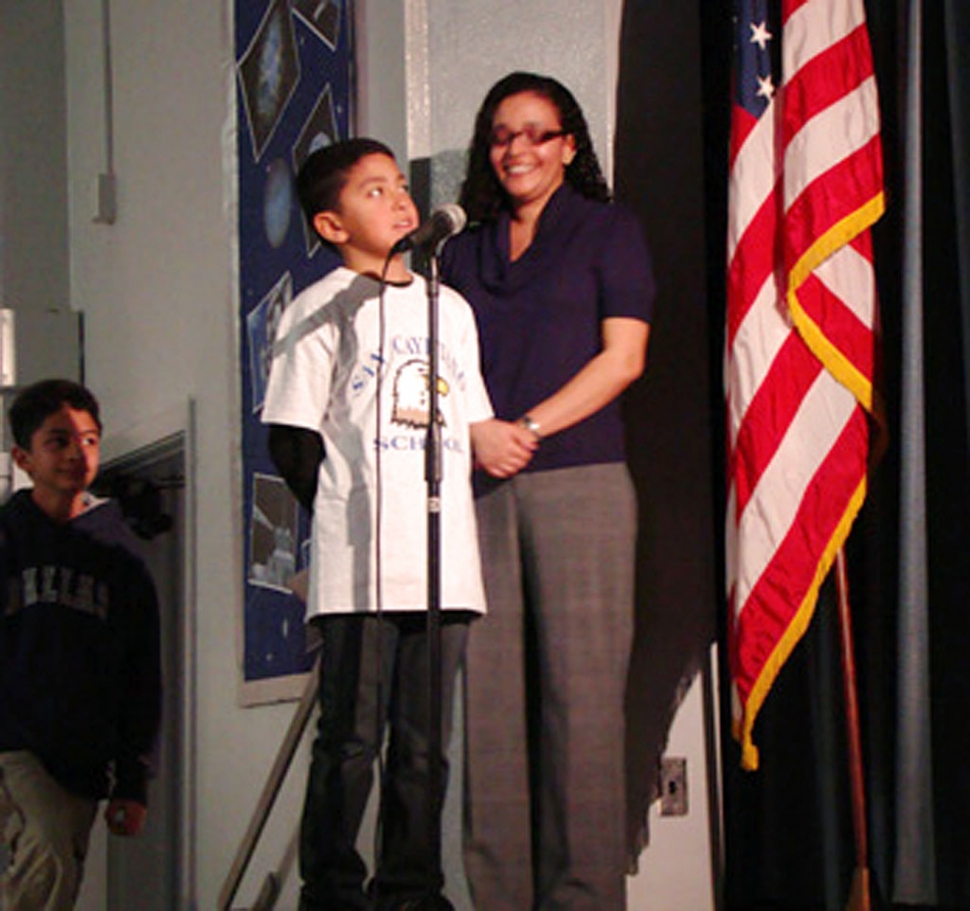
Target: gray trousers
546 677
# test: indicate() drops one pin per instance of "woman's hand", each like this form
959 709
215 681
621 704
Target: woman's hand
501 447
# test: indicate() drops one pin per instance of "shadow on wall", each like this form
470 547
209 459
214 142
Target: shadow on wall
660 173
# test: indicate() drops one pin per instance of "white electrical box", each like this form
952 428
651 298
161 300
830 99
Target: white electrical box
8 347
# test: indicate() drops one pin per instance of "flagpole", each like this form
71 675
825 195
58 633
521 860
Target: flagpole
859 896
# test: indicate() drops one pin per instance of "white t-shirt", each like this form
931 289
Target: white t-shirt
329 375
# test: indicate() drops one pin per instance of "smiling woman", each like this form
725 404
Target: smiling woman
562 289
529 153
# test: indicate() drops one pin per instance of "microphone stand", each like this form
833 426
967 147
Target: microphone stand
433 474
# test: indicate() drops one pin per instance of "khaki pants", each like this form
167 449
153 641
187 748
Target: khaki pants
45 830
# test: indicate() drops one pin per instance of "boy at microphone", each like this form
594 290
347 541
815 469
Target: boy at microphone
347 406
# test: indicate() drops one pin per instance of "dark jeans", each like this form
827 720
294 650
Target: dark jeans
374 673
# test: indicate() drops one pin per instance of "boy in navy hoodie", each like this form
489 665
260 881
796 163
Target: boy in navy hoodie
80 680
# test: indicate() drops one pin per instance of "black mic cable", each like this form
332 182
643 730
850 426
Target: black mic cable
380 719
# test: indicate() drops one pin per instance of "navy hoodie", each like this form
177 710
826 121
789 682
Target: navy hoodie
80 679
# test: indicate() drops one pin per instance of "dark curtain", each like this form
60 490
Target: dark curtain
659 171
788 834
946 288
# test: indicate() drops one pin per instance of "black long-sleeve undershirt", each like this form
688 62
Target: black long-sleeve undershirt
297 453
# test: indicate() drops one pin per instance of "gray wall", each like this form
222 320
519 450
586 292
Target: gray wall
469 46
33 157
156 288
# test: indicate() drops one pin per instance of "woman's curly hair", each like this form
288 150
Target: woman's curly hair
482 196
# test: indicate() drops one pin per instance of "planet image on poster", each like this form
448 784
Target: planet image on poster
277 202
270 85
319 141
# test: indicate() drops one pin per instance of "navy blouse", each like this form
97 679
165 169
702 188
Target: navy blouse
539 317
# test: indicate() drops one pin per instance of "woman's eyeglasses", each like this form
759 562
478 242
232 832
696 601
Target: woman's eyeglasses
501 137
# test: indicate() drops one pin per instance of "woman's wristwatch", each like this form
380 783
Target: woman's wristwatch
530 425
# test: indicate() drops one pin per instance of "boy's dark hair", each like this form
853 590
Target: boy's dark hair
482 195
34 404
324 173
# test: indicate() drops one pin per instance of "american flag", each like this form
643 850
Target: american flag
805 187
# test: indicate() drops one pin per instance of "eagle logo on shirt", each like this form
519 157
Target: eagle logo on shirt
412 394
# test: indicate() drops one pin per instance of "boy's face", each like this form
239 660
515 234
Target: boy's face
64 455
374 212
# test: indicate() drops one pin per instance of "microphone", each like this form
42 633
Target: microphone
441 224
